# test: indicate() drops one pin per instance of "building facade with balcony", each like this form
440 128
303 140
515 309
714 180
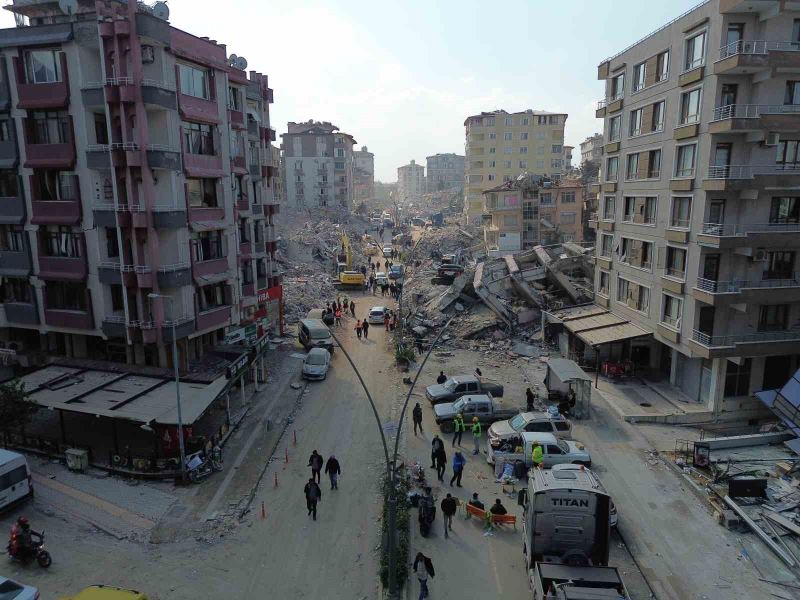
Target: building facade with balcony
363 175
410 182
319 167
445 171
698 225
123 178
592 148
502 145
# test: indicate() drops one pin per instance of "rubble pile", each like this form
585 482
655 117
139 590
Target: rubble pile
445 240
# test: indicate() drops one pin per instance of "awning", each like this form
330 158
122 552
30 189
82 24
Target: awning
595 325
615 333
567 370
254 114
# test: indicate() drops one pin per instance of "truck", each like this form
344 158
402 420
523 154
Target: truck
346 277
555 451
455 387
566 533
482 406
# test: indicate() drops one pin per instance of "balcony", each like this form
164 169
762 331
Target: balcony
255 172
174 275
184 327
252 128
744 118
203 165
609 105
245 249
757 343
207 270
169 216
22 313
69 317
239 165
214 318
115 326
745 177
9 150
236 119
732 235
12 208
38 96
743 291
159 94
197 109
249 289
764 8
65 268
54 212
760 56
16 264
637 219
56 155
243 203
161 156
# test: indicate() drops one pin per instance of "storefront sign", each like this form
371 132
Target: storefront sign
235 336
273 293
239 365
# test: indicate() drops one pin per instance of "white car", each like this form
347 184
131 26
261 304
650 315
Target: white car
613 516
11 590
381 278
376 315
316 364
387 252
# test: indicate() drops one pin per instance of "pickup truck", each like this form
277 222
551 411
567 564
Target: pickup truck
483 406
554 451
455 387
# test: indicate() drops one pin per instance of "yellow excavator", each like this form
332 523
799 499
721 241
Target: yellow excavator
347 278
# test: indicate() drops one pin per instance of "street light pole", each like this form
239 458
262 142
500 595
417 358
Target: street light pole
177 386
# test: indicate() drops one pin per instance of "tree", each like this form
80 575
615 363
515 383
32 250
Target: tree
16 409
589 169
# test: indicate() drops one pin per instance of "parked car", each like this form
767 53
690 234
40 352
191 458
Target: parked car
542 422
11 590
613 517
319 313
106 592
313 333
396 272
455 387
316 364
554 450
376 315
483 406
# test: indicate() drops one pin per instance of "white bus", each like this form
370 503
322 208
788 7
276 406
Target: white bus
15 479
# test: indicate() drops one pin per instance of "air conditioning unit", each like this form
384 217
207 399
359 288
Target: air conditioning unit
772 138
760 255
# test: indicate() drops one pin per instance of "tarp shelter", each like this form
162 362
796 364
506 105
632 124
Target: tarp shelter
563 375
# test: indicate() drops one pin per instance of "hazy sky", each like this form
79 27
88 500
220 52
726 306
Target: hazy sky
401 76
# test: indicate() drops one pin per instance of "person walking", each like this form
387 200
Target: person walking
476 435
420 348
315 462
458 468
333 470
449 506
529 399
337 317
365 328
459 428
441 462
441 378
358 328
435 443
352 309
423 567
386 319
313 495
416 417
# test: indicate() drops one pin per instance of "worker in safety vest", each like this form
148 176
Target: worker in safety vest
476 435
537 455
459 427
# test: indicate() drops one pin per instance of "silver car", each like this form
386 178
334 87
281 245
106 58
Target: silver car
377 314
11 590
316 364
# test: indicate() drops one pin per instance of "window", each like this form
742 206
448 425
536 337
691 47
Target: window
787 154
640 209
676 262
12 238
557 149
112 243
529 211
61 295
614 126
523 164
194 81
48 127
662 66
524 121
202 193
209 245
59 241
540 164
16 290
492 164
508 150
639 76
606 245
737 378
9 183
609 207
488 121
636 253
524 135
43 66
671 310
654 164
681 211
657 123
198 138
540 135
632 166
5 130
684 165
492 150
690 107
555 163
523 149
617 87
546 199
508 136
634 295
211 297
509 220
612 168
491 177
567 218
234 99
567 197
784 209
623 286
779 265
773 317
53 185
695 51
602 286
506 164
493 136
509 121
792 95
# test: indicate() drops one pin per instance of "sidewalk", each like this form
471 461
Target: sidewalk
637 400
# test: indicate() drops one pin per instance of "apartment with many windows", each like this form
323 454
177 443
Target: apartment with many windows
698 223
501 145
410 182
445 171
129 176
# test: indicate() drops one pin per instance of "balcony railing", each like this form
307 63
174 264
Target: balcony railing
737 285
721 341
675 272
753 111
606 101
736 230
757 47
644 220
750 171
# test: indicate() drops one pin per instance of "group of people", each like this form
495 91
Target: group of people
439 461
362 328
312 490
340 307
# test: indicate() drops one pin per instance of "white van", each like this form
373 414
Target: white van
15 478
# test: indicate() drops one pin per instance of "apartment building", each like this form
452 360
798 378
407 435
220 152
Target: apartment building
278 187
699 217
592 148
319 166
410 182
568 157
561 212
129 174
363 175
502 145
445 171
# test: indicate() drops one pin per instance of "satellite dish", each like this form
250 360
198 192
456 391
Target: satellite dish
68 7
161 11
241 63
232 60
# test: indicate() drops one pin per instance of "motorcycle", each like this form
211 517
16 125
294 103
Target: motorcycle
35 551
198 467
426 514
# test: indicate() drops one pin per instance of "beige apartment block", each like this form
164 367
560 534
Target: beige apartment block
699 214
502 145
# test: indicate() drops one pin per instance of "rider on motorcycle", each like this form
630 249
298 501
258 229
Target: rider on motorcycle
23 535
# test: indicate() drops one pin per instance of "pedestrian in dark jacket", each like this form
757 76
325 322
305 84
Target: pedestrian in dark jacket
529 399
423 567
449 506
416 417
441 378
315 462
436 443
498 508
313 495
441 462
365 328
333 471
420 348
352 309
458 468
